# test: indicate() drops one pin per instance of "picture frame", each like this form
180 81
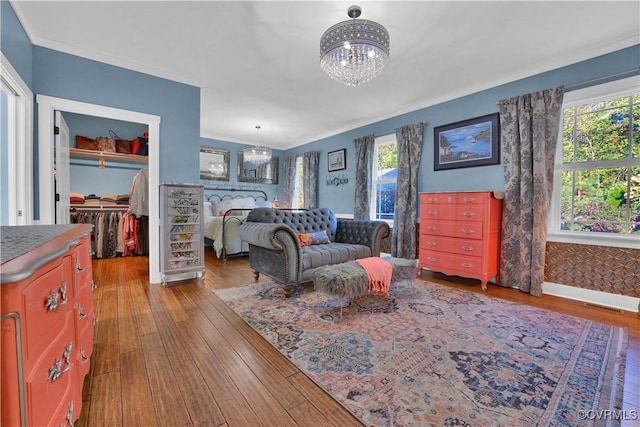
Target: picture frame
214 164
467 143
337 160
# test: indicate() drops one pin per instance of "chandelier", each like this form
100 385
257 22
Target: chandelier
257 154
353 52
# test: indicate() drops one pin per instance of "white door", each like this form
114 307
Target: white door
63 185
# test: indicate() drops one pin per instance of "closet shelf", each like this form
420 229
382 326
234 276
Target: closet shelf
91 154
96 207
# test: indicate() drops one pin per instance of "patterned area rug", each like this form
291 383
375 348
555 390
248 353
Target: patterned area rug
430 354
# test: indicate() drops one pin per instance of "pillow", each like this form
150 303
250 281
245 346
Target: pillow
208 209
264 204
243 203
223 206
317 238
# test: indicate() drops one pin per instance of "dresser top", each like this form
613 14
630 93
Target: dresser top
25 248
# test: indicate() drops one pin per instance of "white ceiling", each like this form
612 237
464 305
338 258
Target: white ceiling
257 62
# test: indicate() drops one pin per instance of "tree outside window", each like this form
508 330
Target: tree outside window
597 187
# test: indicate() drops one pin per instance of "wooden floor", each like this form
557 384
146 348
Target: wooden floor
178 356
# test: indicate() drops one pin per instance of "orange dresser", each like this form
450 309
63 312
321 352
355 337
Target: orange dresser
47 323
460 234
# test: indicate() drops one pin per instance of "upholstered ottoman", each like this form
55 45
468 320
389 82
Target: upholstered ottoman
350 280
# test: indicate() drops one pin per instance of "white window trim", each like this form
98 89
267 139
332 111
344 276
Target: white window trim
616 88
380 141
20 147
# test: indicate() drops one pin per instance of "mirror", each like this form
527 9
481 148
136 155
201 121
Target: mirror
262 174
214 164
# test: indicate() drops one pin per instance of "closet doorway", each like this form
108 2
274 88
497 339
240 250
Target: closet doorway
47 107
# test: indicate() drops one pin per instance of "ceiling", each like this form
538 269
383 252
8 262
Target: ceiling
257 62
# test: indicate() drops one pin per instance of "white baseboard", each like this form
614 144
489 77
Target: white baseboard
605 299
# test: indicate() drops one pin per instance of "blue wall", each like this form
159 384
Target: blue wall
14 43
67 76
341 198
271 189
117 177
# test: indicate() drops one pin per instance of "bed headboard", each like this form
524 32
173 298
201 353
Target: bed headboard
219 194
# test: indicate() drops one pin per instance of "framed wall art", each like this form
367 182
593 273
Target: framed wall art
337 160
214 164
472 142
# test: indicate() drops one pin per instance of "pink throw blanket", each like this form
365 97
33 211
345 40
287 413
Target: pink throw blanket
379 272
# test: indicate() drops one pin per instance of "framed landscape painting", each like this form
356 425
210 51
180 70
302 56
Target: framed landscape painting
337 160
472 142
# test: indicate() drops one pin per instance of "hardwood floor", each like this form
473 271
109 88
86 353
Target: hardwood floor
173 356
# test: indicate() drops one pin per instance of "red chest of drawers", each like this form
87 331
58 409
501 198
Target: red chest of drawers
460 234
47 327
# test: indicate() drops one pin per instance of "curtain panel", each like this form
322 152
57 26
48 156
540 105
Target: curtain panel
310 179
529 126
289 182
403 236
364 148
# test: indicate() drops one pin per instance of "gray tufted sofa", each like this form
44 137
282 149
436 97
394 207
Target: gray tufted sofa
274 248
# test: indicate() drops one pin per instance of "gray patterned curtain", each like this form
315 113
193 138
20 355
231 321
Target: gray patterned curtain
529 126
310 179
403 236
289 182
364 164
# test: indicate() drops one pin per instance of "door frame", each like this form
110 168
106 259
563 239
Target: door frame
47 106
20 147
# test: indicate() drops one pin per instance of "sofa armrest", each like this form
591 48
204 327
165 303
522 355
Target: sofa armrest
362 232
269 236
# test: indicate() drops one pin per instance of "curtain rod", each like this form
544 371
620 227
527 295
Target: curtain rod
424 122
621 74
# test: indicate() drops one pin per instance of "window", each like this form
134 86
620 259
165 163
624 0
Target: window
385 178
298 189
597 172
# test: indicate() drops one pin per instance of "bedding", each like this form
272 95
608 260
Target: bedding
213 230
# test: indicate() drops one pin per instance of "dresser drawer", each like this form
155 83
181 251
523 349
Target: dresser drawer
471 198
469 212
452 245
46 303
439 212
51 383
437 198
437 228
451 263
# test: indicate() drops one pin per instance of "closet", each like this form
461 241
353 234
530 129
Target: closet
101 182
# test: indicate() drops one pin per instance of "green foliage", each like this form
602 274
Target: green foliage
596 199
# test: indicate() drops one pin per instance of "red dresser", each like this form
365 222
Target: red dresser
47 323
460 234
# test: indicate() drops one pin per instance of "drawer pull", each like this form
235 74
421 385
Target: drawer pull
79 268
466 265
433 213
56 369
432 259
468 230
52 300
93 286
94 320
433 199
468 248
468 214
81 313
468 199
83 357
432 228
70 414
432 244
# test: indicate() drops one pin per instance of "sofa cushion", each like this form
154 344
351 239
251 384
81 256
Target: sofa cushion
332 253
300 222
316 238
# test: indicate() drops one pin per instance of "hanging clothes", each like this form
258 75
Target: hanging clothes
139 194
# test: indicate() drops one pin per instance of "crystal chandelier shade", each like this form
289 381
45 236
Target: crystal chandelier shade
257 154
355 51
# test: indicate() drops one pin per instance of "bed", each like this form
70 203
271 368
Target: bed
225 209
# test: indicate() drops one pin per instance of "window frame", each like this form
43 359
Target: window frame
618 88
380 141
